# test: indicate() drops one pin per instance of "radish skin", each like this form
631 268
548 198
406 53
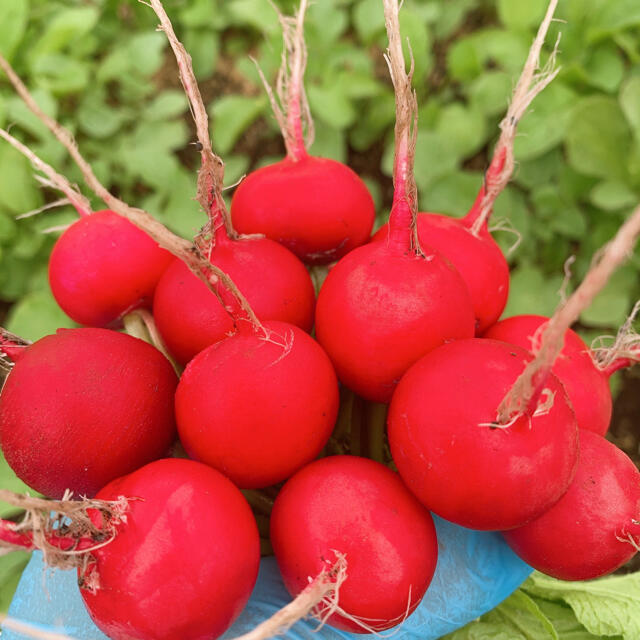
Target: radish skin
361 509
83 407
594 528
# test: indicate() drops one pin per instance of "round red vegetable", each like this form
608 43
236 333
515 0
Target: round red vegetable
275 283
316 207
382 307
452 456
594 528
258 408
585 384
102 267
83 407
477 258
184 559
361 509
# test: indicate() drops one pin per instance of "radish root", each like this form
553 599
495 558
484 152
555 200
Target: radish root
319 598
61 529
532 81
523 397
624 350
289 102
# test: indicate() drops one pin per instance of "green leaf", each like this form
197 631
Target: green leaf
11 567
18 191
452 194
15 16
615 16
612 195
181 212
545 123
168 104
61 74
604 68
65 27
36 316
368 20
532 292
463 60
18 113
611 306
140 55
490 92
11 482
96 118
521 15
204 47
630 102
329 143
463 128
606 607
416 40
231 116
564 620
598 138
434 158
517 618
255 13
330 104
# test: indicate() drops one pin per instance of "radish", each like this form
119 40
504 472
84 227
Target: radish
316 207
102 267
595 527
586 385
455 456
386 304
360 509
273 280
466 241
259 404
169 551
83 407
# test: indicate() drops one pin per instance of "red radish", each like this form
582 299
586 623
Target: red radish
453 455
359 508
83 407
586 385
594 528
183 563
316 207
477 257
274 281
174 536
386 304
258 405
466 241
102 267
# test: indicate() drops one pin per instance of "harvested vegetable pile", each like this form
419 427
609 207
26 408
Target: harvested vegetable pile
293 385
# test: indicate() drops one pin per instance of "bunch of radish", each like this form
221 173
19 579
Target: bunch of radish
491 425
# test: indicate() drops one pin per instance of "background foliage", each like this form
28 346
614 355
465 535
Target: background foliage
100 68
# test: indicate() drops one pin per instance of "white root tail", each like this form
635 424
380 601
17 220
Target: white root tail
320 597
